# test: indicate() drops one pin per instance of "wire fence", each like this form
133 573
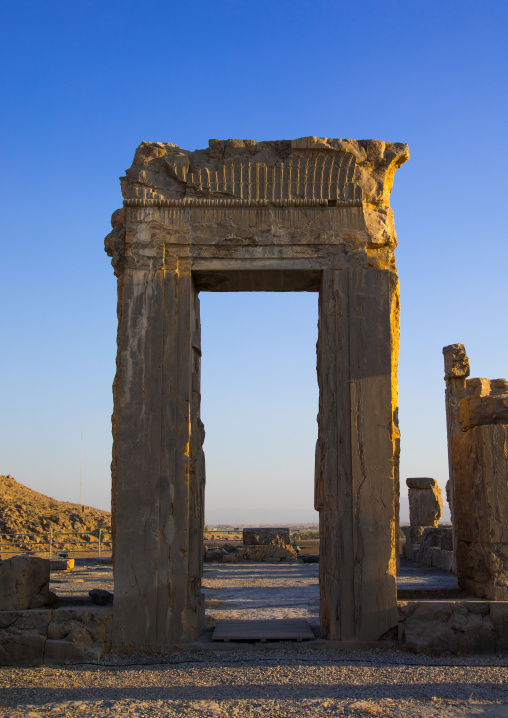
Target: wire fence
52 543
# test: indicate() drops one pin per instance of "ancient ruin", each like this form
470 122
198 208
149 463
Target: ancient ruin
310 214
425 502
477 416
426 541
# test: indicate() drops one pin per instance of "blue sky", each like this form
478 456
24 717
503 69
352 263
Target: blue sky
84 83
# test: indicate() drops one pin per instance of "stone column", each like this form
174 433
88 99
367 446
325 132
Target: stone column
480 463
425 502
159 484
356 453
456 365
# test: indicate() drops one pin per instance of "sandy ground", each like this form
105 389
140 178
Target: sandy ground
279 679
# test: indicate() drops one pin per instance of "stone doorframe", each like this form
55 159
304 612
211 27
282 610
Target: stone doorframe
303 215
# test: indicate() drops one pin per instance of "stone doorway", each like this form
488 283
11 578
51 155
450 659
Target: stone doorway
259 405
304 215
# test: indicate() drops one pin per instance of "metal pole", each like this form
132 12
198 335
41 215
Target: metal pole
81 469
100 533
50 541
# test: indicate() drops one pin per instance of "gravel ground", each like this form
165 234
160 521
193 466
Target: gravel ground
72 586
280 679
247 590
250 591
276 681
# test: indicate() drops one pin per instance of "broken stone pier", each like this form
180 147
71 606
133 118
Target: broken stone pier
425 502
425 542
477 419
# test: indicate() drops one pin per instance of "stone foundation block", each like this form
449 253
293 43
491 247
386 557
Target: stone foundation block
57 636
266 537
481 484
480 410
481 510
63 652
22 648
483 569
453 626
24 583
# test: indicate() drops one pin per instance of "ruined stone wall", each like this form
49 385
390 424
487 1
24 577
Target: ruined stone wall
57 635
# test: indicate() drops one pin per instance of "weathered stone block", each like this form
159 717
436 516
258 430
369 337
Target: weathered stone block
452 626
266 537
482 410
482 569
101 597
259 553
481 489
425 501
421 482
57 630
24 583
63 652
481 510
61 564
21 648
439 537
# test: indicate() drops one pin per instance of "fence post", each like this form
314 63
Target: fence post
100 534
50 541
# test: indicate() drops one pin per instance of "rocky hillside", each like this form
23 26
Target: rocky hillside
23 510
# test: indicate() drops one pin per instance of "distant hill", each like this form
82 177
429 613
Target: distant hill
23 510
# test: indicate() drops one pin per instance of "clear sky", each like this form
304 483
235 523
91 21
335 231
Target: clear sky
83 83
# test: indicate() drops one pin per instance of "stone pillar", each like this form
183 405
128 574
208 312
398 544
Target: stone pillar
356 453
456 364
425 510
480 465
425 501
159 483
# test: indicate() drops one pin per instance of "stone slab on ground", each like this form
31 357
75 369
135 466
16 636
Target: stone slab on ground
293 629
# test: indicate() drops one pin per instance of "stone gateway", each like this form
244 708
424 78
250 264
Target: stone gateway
310 214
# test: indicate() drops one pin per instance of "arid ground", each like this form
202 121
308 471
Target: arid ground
251 680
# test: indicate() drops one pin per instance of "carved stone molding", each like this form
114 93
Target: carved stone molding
310 169
199 202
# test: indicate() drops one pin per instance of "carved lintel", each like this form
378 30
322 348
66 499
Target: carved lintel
192 202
